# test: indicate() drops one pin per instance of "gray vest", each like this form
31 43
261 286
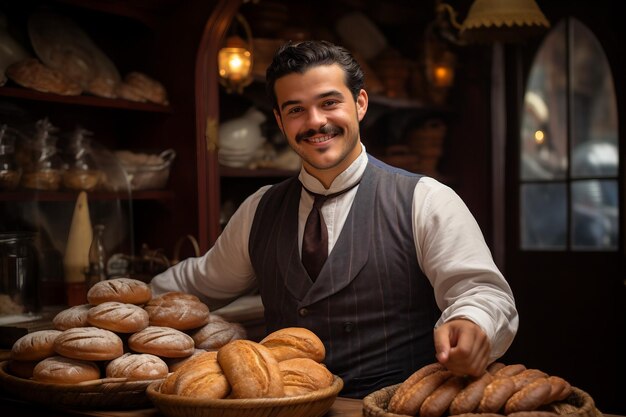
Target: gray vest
371 305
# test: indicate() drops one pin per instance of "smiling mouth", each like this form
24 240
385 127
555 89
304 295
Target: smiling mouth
320 139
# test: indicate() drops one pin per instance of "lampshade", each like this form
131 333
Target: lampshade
503 21
234 60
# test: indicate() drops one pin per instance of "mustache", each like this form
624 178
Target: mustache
324 130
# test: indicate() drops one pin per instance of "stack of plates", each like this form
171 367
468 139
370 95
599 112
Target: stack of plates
240 139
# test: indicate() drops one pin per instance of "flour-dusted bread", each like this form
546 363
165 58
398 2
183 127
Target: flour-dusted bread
176 363
137 367
144 88
251 370
71 317
62 370
31 73
304 375
123 290
201 376
118 317
89 343
295 342
217 332
35 346
162 341
180 311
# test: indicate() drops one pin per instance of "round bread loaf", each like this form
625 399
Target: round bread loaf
304 375
123 290
201 376
137 367
251 370
35 346
177 310
22 369
295 342
118 317
162 341
176 363
69 318
62 370
217 332
89 343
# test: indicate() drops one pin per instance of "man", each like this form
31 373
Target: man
404 253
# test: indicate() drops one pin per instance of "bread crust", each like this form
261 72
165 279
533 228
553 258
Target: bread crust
71 317
137 367
62 370
199 377
123 290
33 74
468 399
180 311
496 394
89 343
437 403
295 342
414 378
162 341
35 346
251 370
118 317
530 397
303 375
411 401
216 333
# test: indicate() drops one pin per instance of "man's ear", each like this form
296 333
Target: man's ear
361 104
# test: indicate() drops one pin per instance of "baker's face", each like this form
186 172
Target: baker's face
320 119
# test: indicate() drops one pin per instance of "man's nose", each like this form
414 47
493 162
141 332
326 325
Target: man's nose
316 118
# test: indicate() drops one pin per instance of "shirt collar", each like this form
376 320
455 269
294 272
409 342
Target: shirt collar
344 180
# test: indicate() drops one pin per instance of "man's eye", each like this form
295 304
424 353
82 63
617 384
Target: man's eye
294 110
330 103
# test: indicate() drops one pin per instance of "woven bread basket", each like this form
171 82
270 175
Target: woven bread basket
107 393
314 404
578 404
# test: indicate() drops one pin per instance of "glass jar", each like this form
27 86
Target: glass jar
9 169
45 168
18 273
82 172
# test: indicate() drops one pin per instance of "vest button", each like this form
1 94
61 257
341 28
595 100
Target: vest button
348 326
303 312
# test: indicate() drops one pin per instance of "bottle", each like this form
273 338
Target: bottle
96 271
76 257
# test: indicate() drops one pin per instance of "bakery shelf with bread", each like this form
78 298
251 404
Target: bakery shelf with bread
503 390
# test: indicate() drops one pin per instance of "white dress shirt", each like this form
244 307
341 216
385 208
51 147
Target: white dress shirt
450 247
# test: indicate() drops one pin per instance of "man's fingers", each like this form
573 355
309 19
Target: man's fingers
442 344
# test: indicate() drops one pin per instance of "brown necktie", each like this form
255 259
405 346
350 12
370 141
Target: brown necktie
315 239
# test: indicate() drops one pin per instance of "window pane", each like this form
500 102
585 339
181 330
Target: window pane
594 215
544 118
543 216
594 108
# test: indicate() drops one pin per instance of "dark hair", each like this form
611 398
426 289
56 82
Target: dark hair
301 56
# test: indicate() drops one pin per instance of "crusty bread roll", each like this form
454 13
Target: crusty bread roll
201 376
123 290
89 343
62 370
304 375
176 363
21 369
251 370
31 73
162 341
69 318
118 317
35 346
177 310
146 87
137 367
295 342
217 332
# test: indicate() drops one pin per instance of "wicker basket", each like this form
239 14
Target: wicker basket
578 404
315 404
108 393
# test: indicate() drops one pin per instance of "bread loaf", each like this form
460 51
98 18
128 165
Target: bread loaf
146 88
251 370
162 341
175 363
89 343
123 290
62 370
304 375
137 367
201 376
118 317
177 310
216 333
414 395
31 73
69 318
35 346
295 342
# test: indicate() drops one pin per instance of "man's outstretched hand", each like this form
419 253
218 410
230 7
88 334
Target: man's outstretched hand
462 347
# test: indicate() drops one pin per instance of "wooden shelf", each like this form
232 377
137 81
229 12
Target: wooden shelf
32 195
82 100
